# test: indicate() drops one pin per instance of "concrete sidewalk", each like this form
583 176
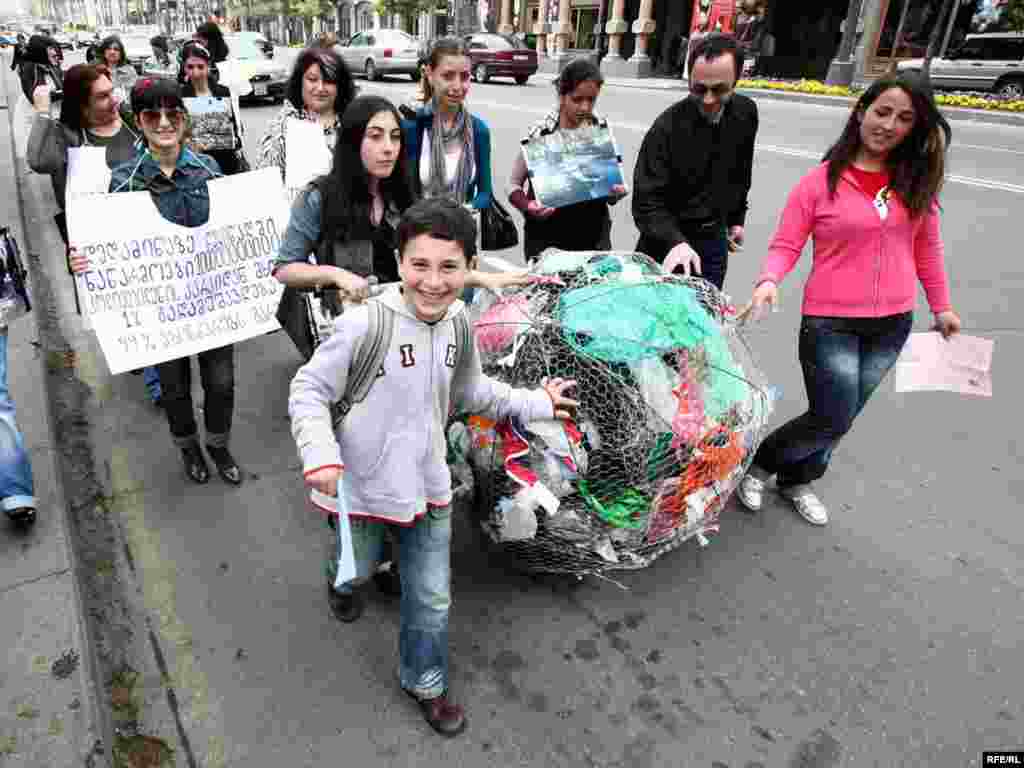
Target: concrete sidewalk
674 84
48 715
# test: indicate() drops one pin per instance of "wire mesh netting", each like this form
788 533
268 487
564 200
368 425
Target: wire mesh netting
672 409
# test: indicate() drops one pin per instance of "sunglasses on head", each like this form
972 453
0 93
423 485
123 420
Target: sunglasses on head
151 117
719 90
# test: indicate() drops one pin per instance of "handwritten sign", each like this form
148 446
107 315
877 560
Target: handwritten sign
158 291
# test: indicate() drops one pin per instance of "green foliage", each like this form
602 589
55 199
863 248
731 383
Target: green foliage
311 9
409 9
1014 14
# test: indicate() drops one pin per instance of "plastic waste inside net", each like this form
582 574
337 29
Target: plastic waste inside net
672 409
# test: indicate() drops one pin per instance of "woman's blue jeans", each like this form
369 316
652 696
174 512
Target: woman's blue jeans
424 552
844 360
16 488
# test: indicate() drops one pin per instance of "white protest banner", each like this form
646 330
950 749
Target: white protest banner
306 155
158 291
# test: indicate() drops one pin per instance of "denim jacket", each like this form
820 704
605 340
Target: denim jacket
183 198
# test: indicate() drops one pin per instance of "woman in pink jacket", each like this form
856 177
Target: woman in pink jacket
872 209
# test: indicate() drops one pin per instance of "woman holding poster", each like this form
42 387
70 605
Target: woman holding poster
320 89
583 226
215 126
176 179
79 149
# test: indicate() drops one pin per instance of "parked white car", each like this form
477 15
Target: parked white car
991 61
378 52
251 64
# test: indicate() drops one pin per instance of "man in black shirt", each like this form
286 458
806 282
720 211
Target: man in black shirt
693 172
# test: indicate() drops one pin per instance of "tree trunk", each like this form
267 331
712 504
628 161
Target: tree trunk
935 39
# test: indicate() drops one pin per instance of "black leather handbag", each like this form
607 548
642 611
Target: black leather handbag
497 230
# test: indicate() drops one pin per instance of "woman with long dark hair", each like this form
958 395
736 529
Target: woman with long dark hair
112 53
585 226
39 63
872 210
347 218
319 91
197 61
211 38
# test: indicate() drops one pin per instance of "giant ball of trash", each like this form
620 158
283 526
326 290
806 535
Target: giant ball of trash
672 409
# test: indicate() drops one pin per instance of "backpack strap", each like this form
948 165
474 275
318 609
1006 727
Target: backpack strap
368 359
463 341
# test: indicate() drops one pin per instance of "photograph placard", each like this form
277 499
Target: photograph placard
568 167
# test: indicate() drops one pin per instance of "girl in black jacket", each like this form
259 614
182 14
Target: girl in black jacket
196 60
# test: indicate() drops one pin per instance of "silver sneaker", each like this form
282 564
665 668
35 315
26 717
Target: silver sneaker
750 491
806 503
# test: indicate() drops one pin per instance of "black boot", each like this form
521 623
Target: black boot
387 579
195 464
345 607
227 467
22 517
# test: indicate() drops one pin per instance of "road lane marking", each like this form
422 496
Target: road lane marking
961 145
970 181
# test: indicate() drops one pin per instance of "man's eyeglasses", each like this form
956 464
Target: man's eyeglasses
151 117
720 90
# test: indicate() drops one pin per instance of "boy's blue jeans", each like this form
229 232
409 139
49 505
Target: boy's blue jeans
424 552
844 360
16 488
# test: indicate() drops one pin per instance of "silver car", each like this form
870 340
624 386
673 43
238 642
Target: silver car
378 52
992 61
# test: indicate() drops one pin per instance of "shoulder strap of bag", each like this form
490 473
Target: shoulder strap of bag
368 359
363 369
463 341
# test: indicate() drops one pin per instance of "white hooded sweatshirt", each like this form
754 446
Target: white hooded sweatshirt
392 445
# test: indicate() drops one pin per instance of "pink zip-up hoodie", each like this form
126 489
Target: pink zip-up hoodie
864 266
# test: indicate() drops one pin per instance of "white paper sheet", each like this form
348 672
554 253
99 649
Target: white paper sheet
961 364
346 558
306 153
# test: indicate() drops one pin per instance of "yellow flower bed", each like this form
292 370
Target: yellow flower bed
800 86
942 99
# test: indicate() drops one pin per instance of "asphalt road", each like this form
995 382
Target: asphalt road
888 638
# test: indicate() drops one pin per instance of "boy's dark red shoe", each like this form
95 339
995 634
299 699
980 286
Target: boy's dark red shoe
444 716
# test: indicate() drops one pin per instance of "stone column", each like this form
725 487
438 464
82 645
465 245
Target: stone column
563 30
524 16
642 28
864 51
505 24
616 28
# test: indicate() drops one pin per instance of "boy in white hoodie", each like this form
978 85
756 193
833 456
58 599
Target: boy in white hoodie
391 445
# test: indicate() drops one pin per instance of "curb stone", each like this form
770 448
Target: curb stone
132 700
72 671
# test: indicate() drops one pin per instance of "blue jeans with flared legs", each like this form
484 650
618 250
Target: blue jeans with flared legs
16 489
424 550
844 359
